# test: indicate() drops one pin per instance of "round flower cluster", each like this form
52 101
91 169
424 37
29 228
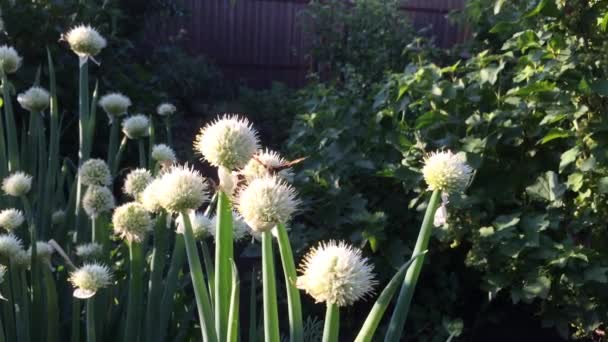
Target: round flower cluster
336 273
85 41
259 166
136 182
10 245
131 222
166 109
18 184
267 202
97 200
95 172
229 142
136 126
115 104
35 99
202 226
89 251
149 197
446 172
10 219
181 189
10 61
89 278
163 154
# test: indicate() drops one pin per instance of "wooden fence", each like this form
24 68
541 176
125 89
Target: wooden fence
260 41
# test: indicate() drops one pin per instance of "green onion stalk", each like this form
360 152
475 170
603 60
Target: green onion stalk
178 257
271 316
155 283
134 305
406 294
11 127
296 329
83 124
198 282
113 142
224 253
37 302
332 323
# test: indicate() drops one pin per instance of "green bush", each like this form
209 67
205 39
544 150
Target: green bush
527 109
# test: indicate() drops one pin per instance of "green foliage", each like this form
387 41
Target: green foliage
528 110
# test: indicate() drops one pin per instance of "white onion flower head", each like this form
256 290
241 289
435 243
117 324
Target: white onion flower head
131 222
44 251
258 166
89 278
10 219
85 41
166 109
266 202
202 226
136 126
21 258
35 99
182 188
58 217
163 154
95 172
229 142
149 198
89 251
336 273
10 245
115 104
446 172
240 229
18 184
136 182
97 200
10 61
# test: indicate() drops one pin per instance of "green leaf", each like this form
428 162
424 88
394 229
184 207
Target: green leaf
603 22
490 73
555 133
568 158
532 225
602 185
533 88
429 118
538 288
575 181
506 221
547 188
537 9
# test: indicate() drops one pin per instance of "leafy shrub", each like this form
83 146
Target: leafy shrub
527 109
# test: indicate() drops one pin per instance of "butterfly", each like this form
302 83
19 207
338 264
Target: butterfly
278 168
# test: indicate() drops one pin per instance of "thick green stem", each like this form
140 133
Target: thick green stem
75 336
156 276
233 316
332 323
166 303
113 143
91 335
134 305
142 153
296 329
83 125
203 304
209 268
271 315
406 294
118 159
37 302
11 127
223 255
52 306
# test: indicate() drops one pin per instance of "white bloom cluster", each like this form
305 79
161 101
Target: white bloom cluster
44 251
202 226
18 184
258 166
10 245
163 154
10 61
89 278
240 229
446 172
85 41
136 126
98 200
10 219
336 273
89 251
95 172
136 182
166 109
181 189
115 104
149 197
35 99
131 222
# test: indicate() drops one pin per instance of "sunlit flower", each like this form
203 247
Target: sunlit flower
10 61
136 126
115 104
182 188
266 202
35 99
95 172
446 172
259 166
18 184
166 109
89 251
202 226
336 273
150 196
136 182
85 41
97 200
58 217
163 154
10 245
229 142
89 278
11 219
131 221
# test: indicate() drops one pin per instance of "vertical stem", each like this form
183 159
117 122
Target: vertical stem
233 316
223 254
151 141
332 323
52 306
134 305
156 276
198 282
142 153
37 303
113 143
11 127
271 315
296 329
209 268
118 157
83 124
91 337
166 303
253 320
406 294
75 336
